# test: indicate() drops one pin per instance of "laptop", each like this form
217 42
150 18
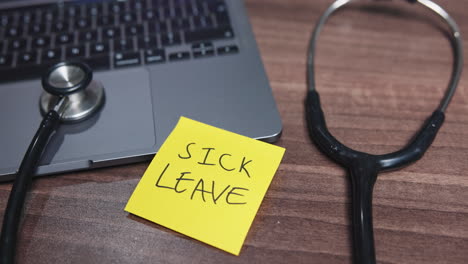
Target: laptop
157 59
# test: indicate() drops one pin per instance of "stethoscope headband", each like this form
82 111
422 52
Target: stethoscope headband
414 150
455 36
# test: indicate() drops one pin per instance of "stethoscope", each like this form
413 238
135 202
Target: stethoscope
70 95
363 167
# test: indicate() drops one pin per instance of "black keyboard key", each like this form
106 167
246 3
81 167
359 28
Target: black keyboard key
147 42
123 44
18 44
180 24
154 56
26 58
203 53
13 32
203 49
95 9
228 50
98 62
150 14
134 30
64 38
166 12
42 8
51 55
202 46
170 39
123 59
209 34
117 7
222 19
37 29
157 27
49 15
72 10
160 3
4 20
202 22
182 55
217 7
26 18
110 32
75 51
127 18
195 9
99 48
5 60
106 21
177 12
137 5
169 12
59 26
89 35
40 41
82 23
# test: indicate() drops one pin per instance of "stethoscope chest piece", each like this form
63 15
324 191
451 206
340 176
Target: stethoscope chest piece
74 81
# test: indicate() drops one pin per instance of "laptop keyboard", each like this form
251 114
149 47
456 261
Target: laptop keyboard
111 34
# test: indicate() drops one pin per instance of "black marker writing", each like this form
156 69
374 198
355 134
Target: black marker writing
221 162
242 167
202 190
188 152
231 192
160 177
181 178
213 191
206 157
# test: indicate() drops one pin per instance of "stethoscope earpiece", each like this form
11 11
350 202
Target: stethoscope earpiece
73 82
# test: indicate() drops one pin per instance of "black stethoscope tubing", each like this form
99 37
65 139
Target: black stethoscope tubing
63 99
363 167
22 183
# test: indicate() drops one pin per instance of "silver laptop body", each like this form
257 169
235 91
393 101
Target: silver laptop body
229 90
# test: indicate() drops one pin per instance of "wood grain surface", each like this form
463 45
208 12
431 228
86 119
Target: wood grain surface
381 70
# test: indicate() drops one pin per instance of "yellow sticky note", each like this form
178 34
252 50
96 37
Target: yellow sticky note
206 183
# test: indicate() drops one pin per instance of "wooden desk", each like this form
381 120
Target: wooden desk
380 72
